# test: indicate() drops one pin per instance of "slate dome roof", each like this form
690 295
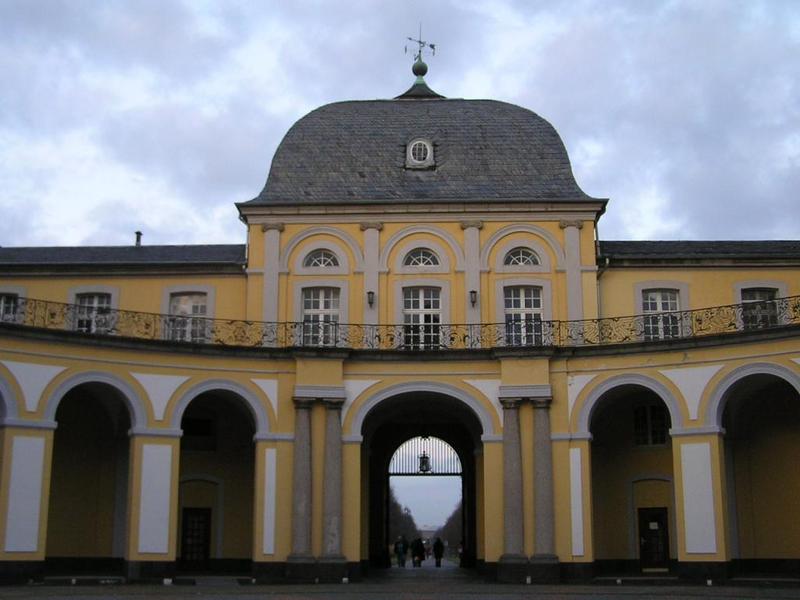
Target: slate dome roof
484 151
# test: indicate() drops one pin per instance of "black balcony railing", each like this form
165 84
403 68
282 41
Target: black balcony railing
652 327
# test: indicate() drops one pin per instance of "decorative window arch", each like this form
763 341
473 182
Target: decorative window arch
517 255
539 239
521 256
395 248
421 257
321 258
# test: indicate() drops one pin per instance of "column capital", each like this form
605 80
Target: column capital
542 402
303 402
469 224
564 223
371 225
270 226
510 403
333 403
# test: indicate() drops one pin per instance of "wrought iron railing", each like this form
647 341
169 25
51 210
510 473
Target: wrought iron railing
716 320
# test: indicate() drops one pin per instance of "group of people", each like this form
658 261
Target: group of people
418 551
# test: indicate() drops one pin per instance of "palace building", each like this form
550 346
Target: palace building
419 266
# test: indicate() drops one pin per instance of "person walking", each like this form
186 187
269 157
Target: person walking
438 551
417 552
400 550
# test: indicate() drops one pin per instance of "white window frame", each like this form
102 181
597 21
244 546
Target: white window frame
299 268
780 290
94 316
668 323
320 326
176 290
429 333
19 292
297 302
430 160
83 290
681 287
529 330
444 297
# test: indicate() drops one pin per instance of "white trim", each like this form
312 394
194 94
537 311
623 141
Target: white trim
718 398
32 379
530 228
691 382
596 394
353 389
270 501
423 229
159 389
491 389
27 424
155 498
430 159
576 500
700 528
299 268
137 409
575 385
540 390
333 392
681 287
24 494
781 287
478 409
253 403
343 285
345 237
111 290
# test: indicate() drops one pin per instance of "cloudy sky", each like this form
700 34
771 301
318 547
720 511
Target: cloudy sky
158 114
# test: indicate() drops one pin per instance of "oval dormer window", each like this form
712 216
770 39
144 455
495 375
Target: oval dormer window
419 154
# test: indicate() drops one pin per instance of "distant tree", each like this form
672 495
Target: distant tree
401 521
451 532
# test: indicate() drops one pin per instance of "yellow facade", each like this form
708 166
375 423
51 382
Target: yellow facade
120 443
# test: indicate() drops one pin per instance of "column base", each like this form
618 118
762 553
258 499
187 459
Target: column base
544 568
301 568
332 569
512 568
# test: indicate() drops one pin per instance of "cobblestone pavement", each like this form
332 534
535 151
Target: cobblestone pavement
409 584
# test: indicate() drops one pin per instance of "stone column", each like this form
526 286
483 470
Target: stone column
300 558
472 277
372 253
544 560
332 562
572 254
272 255
512 566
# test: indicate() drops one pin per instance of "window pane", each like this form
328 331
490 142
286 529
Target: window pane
521 257
320 316
421 317
523 315
760 309
421 257
8 307
660 326
92 312
187 322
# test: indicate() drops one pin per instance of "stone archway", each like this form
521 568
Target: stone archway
390 422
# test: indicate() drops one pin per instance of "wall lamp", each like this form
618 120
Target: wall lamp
370 298
473 297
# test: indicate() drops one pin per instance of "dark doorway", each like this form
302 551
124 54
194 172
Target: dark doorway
195 539
654 538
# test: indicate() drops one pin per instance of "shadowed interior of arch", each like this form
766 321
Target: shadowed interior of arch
632 482
215 503
89 482
761 419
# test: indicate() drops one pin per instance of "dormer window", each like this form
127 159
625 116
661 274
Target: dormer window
421 257
419 154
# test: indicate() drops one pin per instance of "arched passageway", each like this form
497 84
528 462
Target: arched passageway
396 420
86 530
761 419
632 482
215 511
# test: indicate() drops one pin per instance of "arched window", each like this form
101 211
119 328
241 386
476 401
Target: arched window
421 257
521 257
321 258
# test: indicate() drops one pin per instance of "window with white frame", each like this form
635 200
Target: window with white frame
321 258
661 319
759 308
523 315
650 425
92 312
421 257
521 257
8 307
187 321
320 316
422 317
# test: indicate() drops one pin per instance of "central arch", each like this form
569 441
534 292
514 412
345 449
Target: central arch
398 414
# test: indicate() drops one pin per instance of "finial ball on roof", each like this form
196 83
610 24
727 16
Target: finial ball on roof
420 68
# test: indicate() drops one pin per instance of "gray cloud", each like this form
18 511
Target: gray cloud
686 115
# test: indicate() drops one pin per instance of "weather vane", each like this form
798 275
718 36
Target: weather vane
421 45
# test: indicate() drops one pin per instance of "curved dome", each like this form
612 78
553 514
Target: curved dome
484 151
